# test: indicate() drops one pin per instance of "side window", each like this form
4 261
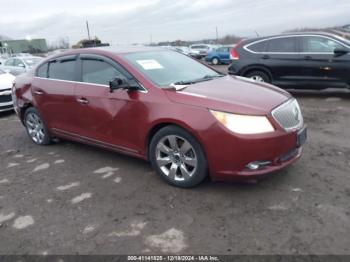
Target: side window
9 62
315 44
99 72
42 71
258 47
282 45
62 70
223 49
18 62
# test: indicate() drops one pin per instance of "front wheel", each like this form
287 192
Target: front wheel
177 157
36 128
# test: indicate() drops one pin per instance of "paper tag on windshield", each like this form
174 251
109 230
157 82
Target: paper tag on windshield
150 64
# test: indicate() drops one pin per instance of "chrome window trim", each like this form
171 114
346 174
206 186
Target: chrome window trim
246 47
86 83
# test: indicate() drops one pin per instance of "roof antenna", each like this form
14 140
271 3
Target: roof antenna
257 34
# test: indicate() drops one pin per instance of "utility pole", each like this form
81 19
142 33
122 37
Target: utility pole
88 30
217 35
151 39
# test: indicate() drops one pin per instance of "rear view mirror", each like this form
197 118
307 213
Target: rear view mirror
119 83
340 51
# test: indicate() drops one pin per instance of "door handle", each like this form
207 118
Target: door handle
266 57
83 101
307 57
38 92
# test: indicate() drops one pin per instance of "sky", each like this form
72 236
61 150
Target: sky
139 21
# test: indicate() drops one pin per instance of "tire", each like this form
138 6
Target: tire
215 61
36 129
258 76
177 157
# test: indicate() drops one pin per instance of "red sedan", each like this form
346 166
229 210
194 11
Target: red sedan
185 118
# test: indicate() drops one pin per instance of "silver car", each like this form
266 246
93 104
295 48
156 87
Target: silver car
19 65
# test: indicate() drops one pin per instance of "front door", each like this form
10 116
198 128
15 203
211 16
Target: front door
320 66
104 116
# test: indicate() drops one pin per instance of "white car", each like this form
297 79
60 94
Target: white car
6 81
19 65
200 50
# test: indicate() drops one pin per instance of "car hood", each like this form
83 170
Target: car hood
231 94
6 81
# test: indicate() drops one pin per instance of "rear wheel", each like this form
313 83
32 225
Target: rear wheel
215 61
177 157
258 76
36 128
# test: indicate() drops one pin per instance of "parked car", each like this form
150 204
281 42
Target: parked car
303 60
183 49
199 50
19 65
6 81
220 55
185 118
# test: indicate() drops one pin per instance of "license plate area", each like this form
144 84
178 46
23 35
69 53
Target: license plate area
301 137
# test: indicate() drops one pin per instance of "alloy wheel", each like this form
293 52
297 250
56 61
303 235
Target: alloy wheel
176 158
35 128
257 78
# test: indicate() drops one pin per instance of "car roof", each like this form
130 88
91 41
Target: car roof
110 50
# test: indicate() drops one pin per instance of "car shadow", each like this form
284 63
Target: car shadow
6 113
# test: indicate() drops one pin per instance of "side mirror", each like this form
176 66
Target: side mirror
21 65
119 83
340 51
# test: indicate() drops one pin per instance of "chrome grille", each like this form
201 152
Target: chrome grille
288 115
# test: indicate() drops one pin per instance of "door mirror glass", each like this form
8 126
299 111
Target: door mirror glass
340 51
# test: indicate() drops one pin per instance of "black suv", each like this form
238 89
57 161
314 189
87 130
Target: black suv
302 60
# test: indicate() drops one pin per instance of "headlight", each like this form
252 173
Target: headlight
244 124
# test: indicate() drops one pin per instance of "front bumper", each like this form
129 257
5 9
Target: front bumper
229 155
6 103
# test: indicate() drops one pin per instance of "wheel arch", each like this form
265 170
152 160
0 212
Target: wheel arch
217 57
252 68
161 124
23 110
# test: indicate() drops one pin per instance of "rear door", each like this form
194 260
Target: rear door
320 67
53 92
283 59
224 54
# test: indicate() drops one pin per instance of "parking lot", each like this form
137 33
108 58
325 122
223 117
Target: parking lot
69 198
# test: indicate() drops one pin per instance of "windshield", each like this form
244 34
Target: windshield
31 61
166 67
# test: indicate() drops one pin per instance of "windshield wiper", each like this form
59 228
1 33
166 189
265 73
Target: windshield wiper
202 79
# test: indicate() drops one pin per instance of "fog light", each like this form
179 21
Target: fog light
253 166
257 165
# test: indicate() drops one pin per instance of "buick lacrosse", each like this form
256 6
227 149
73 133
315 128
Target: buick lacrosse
187 119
